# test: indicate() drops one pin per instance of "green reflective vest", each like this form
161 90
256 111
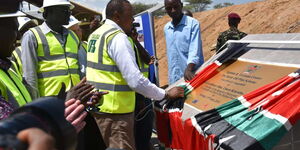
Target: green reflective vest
16 61
144 68
12 88
57 65
103 73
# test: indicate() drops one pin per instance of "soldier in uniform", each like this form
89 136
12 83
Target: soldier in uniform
232 33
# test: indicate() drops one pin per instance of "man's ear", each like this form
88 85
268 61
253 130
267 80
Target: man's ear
116 17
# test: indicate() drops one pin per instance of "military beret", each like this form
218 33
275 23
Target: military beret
233 16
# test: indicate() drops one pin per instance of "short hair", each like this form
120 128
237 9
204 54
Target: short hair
114 6
234 22
176 0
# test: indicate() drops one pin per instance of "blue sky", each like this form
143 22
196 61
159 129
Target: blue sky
100 4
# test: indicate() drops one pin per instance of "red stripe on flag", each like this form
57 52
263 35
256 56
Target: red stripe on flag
287 105
194 140
204 75
163 127
176 125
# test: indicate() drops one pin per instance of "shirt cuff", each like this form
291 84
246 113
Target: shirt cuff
161 94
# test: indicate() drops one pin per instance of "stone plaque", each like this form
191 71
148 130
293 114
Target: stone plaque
233 81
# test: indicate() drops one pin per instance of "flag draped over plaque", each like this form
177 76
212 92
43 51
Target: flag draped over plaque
257 120
168 113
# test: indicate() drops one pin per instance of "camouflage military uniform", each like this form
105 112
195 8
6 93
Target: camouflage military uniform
230 34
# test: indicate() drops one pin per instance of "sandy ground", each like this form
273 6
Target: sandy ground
269 16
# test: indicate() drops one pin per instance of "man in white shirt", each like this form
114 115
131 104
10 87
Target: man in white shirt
112 67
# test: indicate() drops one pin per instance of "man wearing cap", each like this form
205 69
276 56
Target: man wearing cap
232 33
50 52
183 41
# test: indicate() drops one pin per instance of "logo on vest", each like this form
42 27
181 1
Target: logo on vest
91 46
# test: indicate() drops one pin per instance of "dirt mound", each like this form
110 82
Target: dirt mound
269 16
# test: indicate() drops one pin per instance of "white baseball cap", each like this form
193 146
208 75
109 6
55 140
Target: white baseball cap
15 14
72 22
48 3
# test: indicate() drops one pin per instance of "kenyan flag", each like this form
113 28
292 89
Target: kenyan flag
168 113
255 121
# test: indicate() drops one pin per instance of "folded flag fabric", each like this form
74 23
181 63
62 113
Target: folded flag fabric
257 120
212 69
169 123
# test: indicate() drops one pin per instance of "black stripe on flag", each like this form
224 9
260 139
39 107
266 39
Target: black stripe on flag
230 137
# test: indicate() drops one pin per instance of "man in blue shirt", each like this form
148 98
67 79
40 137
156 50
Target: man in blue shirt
184 46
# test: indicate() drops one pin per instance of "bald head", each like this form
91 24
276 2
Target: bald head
115 6
121 12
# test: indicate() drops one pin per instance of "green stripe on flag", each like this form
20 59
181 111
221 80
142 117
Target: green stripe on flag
265 130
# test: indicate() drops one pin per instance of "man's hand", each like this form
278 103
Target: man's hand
174 93
82 91
189 72
152 60
75 114
94 98
37 139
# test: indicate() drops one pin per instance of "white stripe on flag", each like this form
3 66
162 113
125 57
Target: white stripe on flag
218 63
277 117
268 114
198 128
190 87
294 75
244 102
175 110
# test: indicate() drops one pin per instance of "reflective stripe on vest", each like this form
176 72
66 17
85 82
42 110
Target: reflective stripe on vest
102 66
57 65
103 73
84 45
12 83
144 68
16 61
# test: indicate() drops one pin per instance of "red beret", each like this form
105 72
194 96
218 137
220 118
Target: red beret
233 16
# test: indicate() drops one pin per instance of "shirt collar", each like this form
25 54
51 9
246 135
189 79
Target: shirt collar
110 22
5 64
183 21
46 29
233 29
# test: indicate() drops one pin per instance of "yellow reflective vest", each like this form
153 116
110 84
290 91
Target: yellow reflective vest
12 88
144 68
57 64
103 73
